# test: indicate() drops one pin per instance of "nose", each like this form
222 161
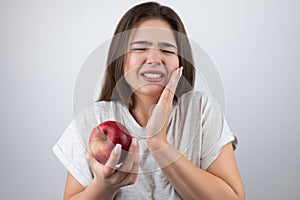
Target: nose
154 56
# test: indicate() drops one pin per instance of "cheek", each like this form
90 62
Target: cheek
132 62
126 65
130 68
172 62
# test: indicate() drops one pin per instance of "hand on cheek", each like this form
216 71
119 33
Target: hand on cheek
159 118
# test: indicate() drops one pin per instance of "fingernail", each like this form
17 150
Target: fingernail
179 71
117 148
134 142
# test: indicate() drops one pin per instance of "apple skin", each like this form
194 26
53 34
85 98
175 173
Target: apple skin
105 136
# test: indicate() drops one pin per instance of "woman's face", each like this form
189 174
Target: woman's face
151 57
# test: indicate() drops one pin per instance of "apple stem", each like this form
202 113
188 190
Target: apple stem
102 135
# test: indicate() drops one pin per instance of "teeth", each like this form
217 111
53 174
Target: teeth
152 75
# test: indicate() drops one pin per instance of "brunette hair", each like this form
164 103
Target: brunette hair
114 86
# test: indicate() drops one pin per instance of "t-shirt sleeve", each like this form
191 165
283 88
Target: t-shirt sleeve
71 152
216 132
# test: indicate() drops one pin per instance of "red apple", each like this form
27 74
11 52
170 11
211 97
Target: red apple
105 136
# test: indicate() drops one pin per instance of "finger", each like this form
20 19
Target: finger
128 180
169 91
175 76
135 146
110 166
158 118
128 161
132 178
136 158
131 162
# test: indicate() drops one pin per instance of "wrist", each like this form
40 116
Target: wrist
166 155
155 144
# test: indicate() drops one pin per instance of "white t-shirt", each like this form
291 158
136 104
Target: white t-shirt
197 129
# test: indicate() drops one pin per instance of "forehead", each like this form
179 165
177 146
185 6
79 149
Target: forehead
153 30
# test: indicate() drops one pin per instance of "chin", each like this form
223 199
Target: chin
151 90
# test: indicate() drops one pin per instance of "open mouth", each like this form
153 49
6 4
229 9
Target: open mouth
153 76
149 75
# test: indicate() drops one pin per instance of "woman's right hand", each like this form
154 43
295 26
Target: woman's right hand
109 176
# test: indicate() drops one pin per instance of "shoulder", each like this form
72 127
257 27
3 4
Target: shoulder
91 115
110 110
197 103
196 99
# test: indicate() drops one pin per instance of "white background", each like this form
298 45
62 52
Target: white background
254 44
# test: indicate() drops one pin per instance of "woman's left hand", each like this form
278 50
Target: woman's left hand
156 127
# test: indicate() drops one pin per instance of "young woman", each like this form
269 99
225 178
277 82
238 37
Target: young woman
182 146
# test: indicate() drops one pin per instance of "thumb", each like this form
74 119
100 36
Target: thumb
111 164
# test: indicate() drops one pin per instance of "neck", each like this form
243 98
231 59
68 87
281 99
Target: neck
143 106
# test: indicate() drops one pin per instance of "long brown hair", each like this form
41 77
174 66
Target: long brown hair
114 86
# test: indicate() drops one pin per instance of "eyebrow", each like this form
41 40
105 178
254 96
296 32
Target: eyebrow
148 43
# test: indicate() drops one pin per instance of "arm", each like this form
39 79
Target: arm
107 179
220 181
74 190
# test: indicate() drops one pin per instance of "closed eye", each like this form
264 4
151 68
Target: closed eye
145 49
138 49
167 51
